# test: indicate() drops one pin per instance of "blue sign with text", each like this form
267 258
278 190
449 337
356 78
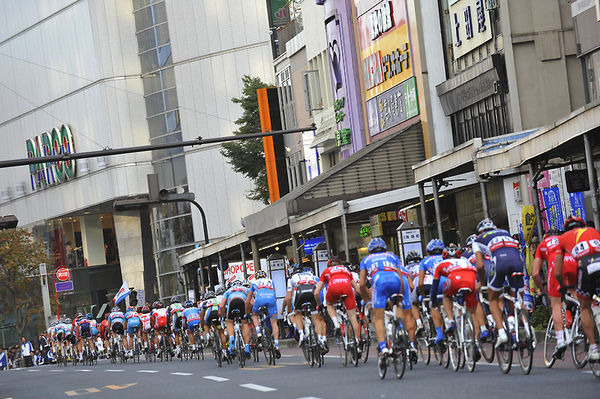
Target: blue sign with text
554 212
311 243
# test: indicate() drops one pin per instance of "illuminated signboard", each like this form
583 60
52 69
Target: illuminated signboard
58 141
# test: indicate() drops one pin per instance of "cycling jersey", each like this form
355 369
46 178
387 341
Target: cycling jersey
235 298
461 274
211 309
487 261
192 317
146 320
176 314
93 327
584 245
302 286
133 320
83 327
338 279
264 295
159 317
382 269
117 322
505 258
547 251
104 328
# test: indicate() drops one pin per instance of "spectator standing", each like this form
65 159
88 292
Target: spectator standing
26 352
44 346
3 359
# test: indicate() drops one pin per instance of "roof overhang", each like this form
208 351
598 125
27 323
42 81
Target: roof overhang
455 161
317 217
560 140
214 247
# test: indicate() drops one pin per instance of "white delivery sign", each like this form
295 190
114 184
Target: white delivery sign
236 270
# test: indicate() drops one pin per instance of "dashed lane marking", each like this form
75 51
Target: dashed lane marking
82 391
179 373
215 378
147 371
265 367
257 387
113 371
84 370
56 371
309 397
33 370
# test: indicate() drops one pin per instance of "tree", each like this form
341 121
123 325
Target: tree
247 156
20 256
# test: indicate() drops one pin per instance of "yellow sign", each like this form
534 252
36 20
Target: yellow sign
384 46
470 24
528 222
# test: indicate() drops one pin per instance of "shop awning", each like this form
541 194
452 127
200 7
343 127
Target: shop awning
212 248
325 133
560 141
455 161
317 217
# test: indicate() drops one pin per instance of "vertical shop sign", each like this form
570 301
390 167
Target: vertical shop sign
577 205
471 25
280 12
553 204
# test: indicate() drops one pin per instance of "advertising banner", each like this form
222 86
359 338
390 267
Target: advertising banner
553 205
235 271
393 107
470 24
577 205
528 222
280 12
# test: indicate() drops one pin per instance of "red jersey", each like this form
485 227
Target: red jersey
104 328
449 266
337 274
580 242
547 251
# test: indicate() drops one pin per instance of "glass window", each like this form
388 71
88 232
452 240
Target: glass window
592 71
149 16
153 37
156 58
164 169
137 4
179 171
158 81
160 102
164 56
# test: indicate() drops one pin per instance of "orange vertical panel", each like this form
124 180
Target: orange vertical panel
265 124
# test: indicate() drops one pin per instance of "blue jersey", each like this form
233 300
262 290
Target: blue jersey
116 317
380 262
263 287
192 315
497 244
236 292
430 263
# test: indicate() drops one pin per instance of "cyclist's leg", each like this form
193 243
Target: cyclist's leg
496 279
406 314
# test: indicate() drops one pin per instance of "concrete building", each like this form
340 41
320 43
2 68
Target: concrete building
110 74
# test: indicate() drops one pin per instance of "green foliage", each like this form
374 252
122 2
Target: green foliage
20 256
539 317
247 156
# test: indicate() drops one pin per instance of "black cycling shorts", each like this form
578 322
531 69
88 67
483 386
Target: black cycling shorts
117 328
586 282
85 330
305 294
236 308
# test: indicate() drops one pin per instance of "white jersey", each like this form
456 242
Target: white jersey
146 319
302 278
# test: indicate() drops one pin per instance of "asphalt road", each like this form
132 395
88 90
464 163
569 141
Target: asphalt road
291 378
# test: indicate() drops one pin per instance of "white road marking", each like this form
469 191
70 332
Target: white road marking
147 371
178 373
84 370
33 371
256 387
587 371
113 371
287 355
332 356
215 378
56 371
309 397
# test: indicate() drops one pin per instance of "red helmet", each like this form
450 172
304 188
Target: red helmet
145 309
334 261
574 222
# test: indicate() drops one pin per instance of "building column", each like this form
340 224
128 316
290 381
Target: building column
345 235
255 254
438 213
536 201
93 239
244 262
327 242
131 252
589 161
486 211
423 211
295 248
221 272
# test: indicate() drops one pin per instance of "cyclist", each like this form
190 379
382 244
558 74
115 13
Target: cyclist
300 290
263 293
388 277
339 282
584 244
235 298
160 316
209 315
506 262
117 324
413 260
105 331
546 251
146 322
69 333
176 322
83 332
460 273
468 254
191 316
434 249
133 324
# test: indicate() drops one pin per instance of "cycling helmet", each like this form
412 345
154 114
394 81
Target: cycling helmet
333 261
210 294
377 245
552 232
470 240
237 283
68 321
574 222
174 299
115 309
79 315
219 291
145 309
157 305
413 257
260 274
435 246
188 304
485 225
89 316
54 323
451 251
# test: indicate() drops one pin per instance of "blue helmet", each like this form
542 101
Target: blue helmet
375 244
435 246
485 225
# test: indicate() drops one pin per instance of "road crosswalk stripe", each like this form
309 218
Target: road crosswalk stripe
215 378
84 370
179 373
113 371
309 397
257 387
147 371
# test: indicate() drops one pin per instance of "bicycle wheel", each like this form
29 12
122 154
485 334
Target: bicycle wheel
382 366
341 344
365 340
454 351
525 346
399 354
469 345
580 346
316 348
267 344
550 344
217 349
351 348
505 351
241 352
423 342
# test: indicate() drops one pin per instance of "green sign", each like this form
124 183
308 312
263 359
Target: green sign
365 231
280 12
342 136
410 98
